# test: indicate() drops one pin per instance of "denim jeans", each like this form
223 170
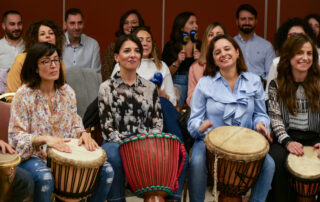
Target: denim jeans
117 191
42 177
199 173
22 186
181 83
44 181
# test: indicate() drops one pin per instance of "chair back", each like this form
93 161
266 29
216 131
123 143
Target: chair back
4 123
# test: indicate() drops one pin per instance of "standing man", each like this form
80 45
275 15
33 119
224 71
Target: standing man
80 50
12 43
258 52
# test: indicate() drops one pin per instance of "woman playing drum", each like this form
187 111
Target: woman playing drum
128 104
226 96
294 108
44 113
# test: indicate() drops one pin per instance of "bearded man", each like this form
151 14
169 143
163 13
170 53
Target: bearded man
258 52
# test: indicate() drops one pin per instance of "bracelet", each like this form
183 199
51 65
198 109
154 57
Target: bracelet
174 65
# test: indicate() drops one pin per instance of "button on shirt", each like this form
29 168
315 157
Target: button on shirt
8 53
258 54
213 100
86 55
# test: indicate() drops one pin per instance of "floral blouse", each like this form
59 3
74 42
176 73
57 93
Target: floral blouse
31 116
125 110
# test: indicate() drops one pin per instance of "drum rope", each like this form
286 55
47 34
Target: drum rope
215 170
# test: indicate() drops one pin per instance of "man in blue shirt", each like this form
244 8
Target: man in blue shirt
80 50
258 52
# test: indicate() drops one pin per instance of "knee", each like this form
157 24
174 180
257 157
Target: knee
198 163
107 172
45 179
269 165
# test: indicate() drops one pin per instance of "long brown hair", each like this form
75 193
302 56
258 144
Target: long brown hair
212 68
287 87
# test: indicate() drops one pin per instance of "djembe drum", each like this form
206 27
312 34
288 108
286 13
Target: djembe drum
75 173
8 164
152 163
304 174
235 157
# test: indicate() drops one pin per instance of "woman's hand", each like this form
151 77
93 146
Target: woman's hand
6 147
261 128
205 125
58 143
88 142
317 146
181 57
196 54
163 93
295 148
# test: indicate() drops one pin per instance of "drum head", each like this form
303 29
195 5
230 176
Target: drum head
79 156
306 166
237 143
9 160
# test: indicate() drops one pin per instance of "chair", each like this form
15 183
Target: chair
85 82
5 116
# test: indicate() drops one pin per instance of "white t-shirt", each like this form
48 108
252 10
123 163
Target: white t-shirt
8 53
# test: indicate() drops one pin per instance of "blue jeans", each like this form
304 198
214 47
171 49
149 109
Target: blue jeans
199 173
117 191
22 186
181 83
44 181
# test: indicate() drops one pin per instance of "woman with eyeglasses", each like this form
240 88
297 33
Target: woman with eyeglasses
40 31
44 114
128 21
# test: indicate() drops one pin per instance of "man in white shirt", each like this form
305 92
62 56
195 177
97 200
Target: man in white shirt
80 50
12 43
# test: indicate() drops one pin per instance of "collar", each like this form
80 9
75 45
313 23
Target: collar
241 39
219 76
119 81
82 39
21 42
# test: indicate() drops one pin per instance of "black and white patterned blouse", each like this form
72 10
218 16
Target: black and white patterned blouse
125 110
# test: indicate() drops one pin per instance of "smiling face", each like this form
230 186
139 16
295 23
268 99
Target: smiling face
246 22
49 67
12 26
46 34
146 42
74 26
131 21
191 24
302 60
224 54
129 56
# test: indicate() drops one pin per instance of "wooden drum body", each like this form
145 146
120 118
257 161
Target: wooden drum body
152 164
304 173
8 165
240 153
75 173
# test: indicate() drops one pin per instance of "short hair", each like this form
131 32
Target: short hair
31 36
247 7
154 52
72 11
124 38
29 70
282 33
123 19
205 44
9 12
212 68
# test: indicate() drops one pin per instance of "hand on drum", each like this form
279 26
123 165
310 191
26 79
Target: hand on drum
58 144
205 125
88 142
261 128
295 148
6 147
317 146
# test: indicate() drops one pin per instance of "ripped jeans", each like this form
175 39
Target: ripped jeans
44 181
42 177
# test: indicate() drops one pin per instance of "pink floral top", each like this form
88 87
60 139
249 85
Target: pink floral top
31 116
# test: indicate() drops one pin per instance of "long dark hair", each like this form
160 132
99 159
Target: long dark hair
287 87
29 70
123 19
317 18
212 68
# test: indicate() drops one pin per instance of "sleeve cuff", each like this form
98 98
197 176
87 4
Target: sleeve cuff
286 141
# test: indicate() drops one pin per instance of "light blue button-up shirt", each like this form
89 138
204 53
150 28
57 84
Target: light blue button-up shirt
258 54
213 100
86 55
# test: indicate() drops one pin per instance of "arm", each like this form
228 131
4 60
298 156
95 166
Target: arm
168 86
260 115
270 55
272 75
106 114
157 118
96 62
108 62
198 111
277 123
195 73
13 80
